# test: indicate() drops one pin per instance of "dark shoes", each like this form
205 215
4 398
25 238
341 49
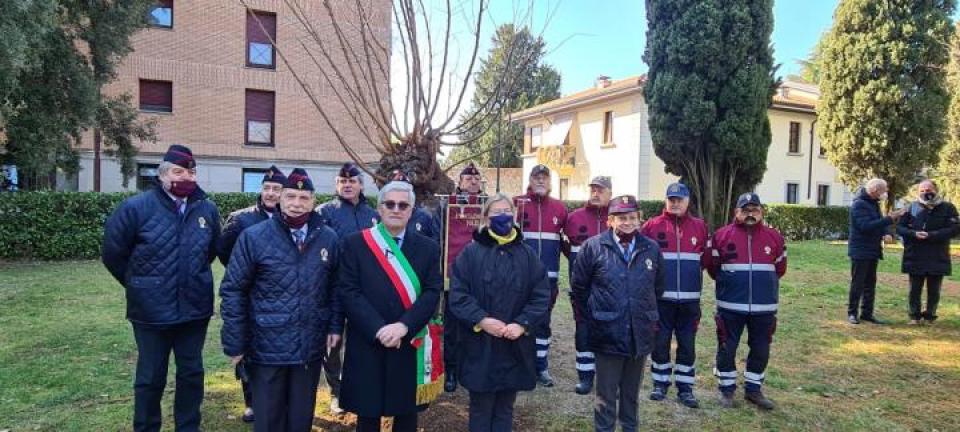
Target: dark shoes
544 379
688 400
872 319
584 386
852 319
659 393
248 415
757 398
450 384
726 399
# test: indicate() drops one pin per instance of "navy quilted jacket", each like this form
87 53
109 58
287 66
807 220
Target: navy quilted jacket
618 295
163 259
278 304
346 218
867 228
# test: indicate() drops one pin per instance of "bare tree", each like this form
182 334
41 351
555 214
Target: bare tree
352 64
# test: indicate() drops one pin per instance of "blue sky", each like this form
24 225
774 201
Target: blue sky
589 38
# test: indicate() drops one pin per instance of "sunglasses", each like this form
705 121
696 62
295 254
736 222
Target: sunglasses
393 205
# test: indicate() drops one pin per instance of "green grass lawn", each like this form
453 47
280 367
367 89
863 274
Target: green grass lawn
67 358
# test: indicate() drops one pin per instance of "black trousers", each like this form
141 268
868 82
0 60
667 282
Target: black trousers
618 392
404 423
284 396
153 358
760 330
492 411
333 366
933 296
863 285
680 320
450 337
247 390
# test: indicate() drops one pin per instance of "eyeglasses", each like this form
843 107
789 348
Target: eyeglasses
393 205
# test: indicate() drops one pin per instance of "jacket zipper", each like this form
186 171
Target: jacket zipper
540 229
676 231
750 272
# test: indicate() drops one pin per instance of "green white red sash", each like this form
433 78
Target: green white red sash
405 281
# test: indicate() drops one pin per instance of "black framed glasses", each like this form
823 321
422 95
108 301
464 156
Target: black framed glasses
394 205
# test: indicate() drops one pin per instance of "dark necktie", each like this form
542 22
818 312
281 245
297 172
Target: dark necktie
179 203
298 236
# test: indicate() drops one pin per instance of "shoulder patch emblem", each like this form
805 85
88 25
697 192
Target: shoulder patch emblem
556 220
323 254
766 250
693 241
649 264
202 222
419 227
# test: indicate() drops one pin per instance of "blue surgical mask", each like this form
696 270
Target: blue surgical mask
501 224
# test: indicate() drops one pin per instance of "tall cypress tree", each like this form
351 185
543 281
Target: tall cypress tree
883 102
948 171
710 83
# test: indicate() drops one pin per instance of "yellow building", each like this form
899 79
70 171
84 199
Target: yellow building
603 131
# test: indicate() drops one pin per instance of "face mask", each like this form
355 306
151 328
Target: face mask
183 188
501 224
929 196
296 222
626 237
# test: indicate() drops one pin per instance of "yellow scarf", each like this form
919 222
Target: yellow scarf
504 239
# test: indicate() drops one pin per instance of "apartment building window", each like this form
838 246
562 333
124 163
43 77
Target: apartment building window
823 195
156 96
146 176
536 137
252 179
794 147
793 193
161 14
261 30
260 117
608 127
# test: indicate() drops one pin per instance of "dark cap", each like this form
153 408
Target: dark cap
180 155
299 180
748 199
539 169
678 190
602 181
348 170
470 169
623 204
274 175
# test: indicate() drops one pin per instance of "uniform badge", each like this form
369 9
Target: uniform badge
300 184
625 199
202 222
323 254
556 220
649 264
419 227
693 240
766 249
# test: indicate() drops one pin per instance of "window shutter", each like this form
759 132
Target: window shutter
156 95
260 105
254 31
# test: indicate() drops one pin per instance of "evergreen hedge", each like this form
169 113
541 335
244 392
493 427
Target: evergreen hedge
69 225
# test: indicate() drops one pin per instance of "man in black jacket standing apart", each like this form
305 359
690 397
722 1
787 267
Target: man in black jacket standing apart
926 230
159 245
868 227
280 308
617 278
268 204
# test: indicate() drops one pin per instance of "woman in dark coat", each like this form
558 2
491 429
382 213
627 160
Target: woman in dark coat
926 231
380 369
498 291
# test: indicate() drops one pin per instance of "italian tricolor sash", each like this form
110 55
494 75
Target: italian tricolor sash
428 341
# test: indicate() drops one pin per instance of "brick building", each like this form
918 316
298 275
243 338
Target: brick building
205 70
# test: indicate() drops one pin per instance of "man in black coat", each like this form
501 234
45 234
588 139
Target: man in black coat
280 308
926 230
868 228
390 285
268 204
159 245
617 278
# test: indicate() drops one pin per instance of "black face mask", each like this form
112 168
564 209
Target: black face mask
626 237
929 196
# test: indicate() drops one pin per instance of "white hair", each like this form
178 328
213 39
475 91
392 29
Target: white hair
359 178
164 167
498 197
875 183
397 186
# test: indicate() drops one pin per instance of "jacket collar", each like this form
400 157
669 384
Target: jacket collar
483 237
361 201
640 244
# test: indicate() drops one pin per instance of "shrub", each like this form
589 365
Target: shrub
797 222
